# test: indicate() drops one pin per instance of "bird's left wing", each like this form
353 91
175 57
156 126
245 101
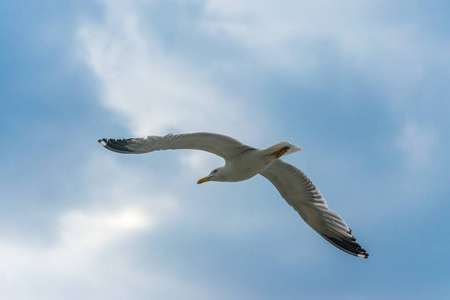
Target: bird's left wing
218 144
300 193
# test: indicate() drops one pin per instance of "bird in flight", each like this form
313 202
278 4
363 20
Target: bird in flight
243 162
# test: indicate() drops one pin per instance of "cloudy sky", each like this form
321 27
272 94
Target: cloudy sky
362 86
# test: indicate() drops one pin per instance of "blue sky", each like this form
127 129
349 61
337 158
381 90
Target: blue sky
361 86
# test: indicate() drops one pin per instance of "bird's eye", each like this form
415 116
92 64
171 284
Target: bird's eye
215 171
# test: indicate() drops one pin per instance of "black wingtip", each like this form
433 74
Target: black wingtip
348 245
115 145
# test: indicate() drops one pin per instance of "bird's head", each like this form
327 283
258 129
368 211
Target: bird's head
216 175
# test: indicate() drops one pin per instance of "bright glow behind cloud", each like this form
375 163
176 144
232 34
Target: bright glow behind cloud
84 231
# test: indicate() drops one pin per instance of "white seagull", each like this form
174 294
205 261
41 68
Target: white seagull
243 162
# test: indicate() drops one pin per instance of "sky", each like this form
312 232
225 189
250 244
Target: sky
361 86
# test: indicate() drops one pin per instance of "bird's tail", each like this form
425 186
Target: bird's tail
282 148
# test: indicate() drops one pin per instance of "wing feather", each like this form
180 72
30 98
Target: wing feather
300 193
218 144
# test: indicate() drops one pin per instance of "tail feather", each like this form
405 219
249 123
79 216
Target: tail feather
282 148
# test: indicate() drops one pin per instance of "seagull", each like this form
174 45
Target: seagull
243 162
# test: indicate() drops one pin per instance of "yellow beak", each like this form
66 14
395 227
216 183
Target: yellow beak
204 179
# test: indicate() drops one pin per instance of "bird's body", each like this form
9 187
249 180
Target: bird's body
245 166
243 162
250 163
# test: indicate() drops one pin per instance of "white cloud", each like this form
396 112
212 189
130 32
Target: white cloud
44 271
154 91
89 257
87 262
300 36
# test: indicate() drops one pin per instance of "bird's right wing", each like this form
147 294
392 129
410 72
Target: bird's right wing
300 193
218 144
